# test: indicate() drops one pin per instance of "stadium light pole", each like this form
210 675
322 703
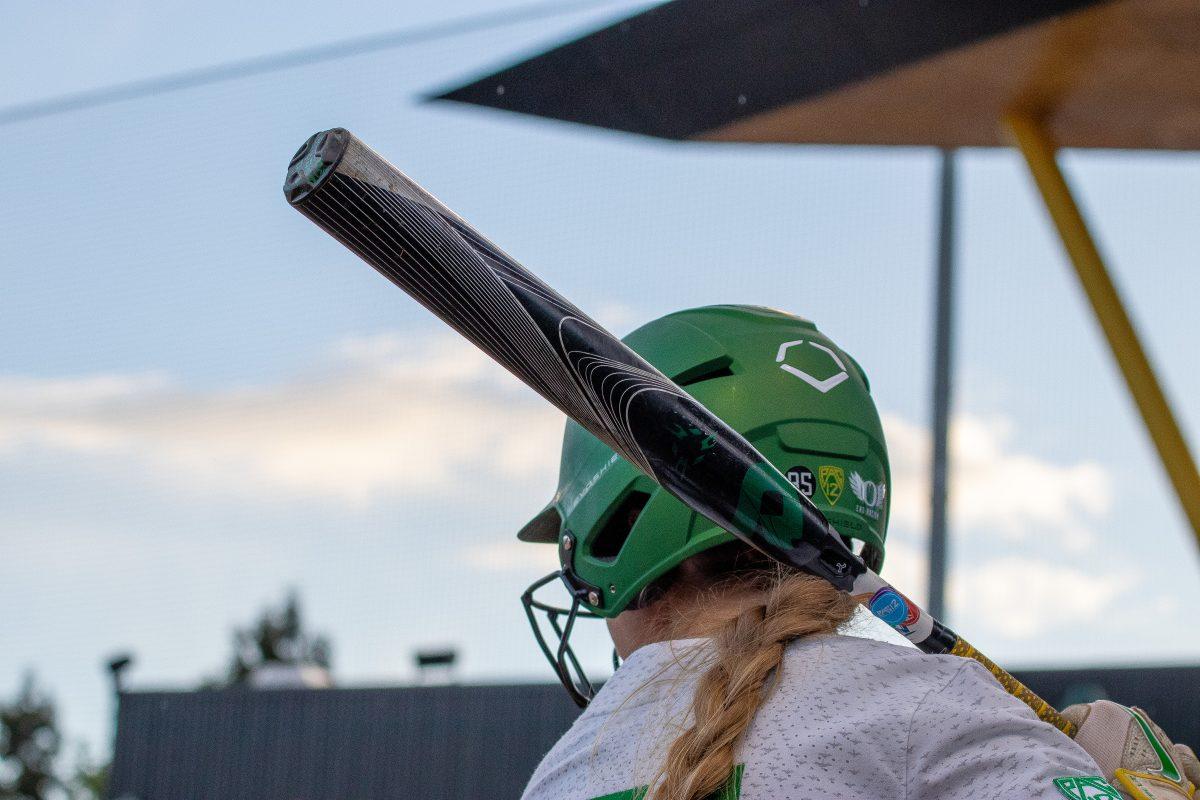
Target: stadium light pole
943 362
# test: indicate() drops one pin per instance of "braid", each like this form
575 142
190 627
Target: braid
748 649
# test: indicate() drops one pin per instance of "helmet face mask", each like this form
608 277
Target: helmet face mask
556 645
774 378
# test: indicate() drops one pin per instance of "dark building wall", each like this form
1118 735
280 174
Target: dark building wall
439 743
1171 695
344 744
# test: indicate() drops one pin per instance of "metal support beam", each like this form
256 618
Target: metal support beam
1097 284
943 351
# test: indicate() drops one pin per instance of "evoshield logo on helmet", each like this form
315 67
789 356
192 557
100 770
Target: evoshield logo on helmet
870 493
833 481
822 385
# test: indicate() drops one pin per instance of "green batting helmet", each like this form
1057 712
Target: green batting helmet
774 378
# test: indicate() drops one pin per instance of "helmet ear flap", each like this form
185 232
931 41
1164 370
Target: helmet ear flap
872 556
652 592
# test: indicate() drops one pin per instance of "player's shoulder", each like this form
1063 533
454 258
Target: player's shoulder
872 664
882 674
913 724
878 685
839 715
850 686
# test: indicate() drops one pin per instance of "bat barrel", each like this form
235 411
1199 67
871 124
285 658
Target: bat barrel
419 244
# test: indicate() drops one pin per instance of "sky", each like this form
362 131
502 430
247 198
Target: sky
206 402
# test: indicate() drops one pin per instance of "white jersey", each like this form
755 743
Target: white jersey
851 719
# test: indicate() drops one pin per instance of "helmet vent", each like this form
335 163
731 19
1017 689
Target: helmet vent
612 536
706 371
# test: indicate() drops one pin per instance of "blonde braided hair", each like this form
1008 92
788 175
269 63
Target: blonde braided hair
748 650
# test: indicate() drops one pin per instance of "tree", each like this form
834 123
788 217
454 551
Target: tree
278 637
90 778
91 782
29 744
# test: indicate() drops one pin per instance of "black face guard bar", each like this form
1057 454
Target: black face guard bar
560 655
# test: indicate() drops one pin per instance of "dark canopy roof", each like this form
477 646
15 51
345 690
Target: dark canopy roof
1120 74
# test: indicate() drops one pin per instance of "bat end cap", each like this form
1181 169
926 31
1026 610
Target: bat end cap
314 162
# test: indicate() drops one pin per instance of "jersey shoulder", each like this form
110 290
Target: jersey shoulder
836 721
907 724
872 668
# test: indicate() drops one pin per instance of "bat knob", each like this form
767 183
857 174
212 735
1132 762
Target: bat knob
314 162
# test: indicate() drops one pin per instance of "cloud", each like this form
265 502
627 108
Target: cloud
999 490
1017 596
994 486
511 555
618 317
1021 597
391 415
45 410
382 415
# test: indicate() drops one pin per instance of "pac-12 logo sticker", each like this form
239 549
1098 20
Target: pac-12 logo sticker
802 478
833 482
895 609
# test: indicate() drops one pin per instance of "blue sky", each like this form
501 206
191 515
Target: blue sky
205 401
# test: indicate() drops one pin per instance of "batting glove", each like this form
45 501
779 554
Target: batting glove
1135 754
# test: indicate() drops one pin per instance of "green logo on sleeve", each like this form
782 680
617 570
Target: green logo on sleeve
1086 787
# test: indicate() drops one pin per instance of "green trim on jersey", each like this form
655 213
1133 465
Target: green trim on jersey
731 791
1086 787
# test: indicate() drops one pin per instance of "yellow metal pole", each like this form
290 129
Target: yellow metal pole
1039 153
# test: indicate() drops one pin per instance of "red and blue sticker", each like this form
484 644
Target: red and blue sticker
895 609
